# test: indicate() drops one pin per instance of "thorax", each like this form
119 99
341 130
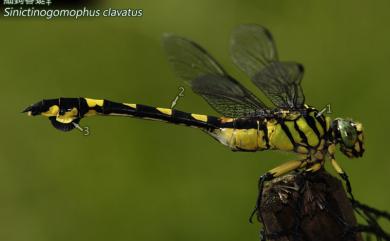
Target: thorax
296 131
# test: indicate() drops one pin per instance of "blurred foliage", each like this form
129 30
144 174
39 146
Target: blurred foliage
141 180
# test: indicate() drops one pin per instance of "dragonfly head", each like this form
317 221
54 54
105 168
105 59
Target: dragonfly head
349 134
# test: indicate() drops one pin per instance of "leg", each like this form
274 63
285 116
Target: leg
343 175
275 172
266 177
371 221
315 167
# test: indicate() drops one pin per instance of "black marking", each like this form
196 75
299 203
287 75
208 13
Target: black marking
246 123
180 117
110 107
361 149
213 121
322 121
263 127
67 104
334 133
312 123
241 123
300 132
63 126
288 132
227 124
83 107
46 104
145 111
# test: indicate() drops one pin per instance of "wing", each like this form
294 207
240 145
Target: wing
207 78
254 52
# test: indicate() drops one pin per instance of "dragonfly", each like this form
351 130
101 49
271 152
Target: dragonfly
246 123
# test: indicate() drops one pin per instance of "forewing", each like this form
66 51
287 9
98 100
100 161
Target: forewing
254 52
281 82
207 78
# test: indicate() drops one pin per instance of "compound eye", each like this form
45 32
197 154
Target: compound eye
348 133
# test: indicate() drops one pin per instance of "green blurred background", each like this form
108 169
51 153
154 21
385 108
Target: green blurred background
146 181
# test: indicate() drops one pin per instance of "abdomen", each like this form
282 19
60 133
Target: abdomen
241 139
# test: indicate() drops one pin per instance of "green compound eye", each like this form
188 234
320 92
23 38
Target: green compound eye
347 132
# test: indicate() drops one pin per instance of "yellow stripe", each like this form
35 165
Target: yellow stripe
279 139
359 127
226 119
245 139
165 111
321 145
53 111
94 102
134 106
357 147
285 168
315 167
328 120
311 136
302 150
360 137
318 125
294 133
200 117
336 166
332 149
68 117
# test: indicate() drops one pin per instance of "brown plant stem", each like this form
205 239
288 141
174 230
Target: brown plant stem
308 207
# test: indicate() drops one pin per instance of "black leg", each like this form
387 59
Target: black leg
257 209
344 176
266 177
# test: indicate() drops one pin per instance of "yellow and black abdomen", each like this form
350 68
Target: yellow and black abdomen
64 113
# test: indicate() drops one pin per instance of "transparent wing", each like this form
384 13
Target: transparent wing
254 52
252 48
280 81
207 78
